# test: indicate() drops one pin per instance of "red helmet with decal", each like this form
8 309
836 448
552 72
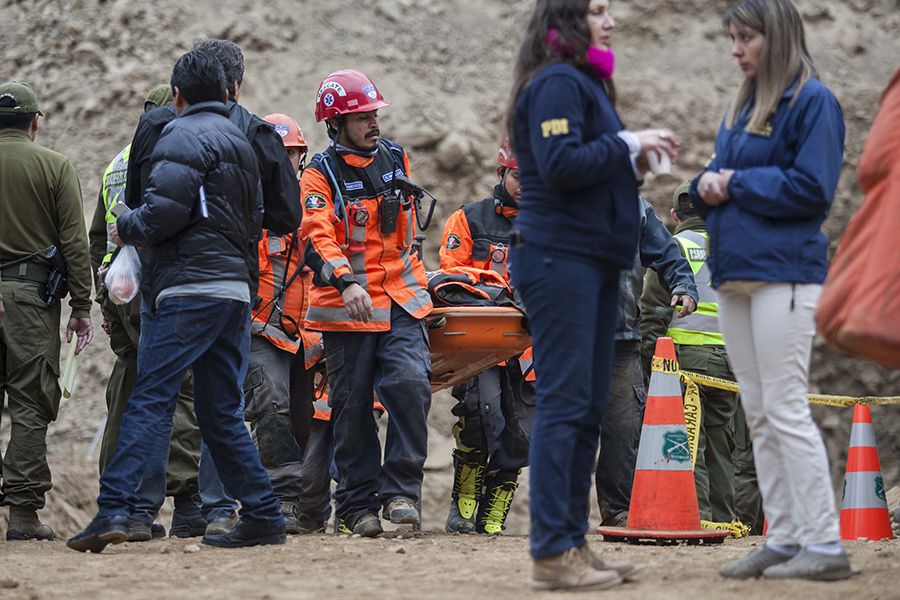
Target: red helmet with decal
346 92
506 158
288 129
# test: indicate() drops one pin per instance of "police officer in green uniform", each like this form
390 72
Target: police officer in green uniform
701 349
40 207
123 325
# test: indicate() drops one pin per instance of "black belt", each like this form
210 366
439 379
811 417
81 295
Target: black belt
26 271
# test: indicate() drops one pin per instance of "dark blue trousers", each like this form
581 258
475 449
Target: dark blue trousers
572 305
397 365
212 336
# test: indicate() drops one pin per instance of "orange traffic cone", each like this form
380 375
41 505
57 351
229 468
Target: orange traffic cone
864 512
664 496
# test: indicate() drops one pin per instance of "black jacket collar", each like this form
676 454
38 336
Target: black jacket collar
213 107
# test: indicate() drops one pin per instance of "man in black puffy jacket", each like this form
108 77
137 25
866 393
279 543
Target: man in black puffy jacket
198 226
282 210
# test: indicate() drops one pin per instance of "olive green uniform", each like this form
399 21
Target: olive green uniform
40 205
700 349
125 328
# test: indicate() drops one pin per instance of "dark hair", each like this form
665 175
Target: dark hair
14 120
231 57
569 17
199 77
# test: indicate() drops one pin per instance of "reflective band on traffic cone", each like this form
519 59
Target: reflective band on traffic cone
664 496
864 512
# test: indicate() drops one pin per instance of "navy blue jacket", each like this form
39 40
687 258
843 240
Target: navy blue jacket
657 250
781 191
181 245
579 192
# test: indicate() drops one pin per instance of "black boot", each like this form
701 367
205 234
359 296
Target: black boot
248 533
187 520
468 474
99 533
499 489
139 531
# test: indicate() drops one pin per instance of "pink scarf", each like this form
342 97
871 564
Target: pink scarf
603 61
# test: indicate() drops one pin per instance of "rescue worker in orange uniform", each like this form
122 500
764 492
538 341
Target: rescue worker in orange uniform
495 408
278 388
370 300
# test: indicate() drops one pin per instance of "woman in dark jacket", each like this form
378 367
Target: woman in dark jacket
765 195
577 228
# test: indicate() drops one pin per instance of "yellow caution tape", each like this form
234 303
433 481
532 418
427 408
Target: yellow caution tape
738 530
692 414
824 399
666 365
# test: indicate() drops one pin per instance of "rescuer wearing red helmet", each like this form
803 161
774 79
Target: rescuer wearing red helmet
495 407
369 301
278 387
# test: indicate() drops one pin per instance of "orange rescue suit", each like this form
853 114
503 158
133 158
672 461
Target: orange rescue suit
384 264
280 320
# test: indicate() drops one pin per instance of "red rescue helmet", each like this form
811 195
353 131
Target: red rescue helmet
345 92
506 158
288 129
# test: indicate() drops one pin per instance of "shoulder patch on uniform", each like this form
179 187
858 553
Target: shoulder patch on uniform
555 127
388 177
314 202
453 242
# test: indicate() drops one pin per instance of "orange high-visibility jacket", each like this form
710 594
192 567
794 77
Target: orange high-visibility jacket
349 240
477 235
281 320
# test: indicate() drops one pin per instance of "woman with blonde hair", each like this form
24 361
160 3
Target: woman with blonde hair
764 196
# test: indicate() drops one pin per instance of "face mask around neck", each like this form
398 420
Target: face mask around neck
603 61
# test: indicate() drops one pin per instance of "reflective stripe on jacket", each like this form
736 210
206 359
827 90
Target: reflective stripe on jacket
348 240
279 316
700 328
113 191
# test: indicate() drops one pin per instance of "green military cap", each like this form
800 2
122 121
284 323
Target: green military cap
161 95
24 97
682 197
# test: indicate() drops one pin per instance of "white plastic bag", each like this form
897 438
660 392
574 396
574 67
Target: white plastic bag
123 280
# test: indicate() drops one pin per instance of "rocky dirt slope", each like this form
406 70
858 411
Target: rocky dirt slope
446 68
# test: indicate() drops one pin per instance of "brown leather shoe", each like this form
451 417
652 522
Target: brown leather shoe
570 571
25 525
625 570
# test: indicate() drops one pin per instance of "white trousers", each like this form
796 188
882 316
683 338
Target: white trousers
768 330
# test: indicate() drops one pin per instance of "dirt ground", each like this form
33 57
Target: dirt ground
446 67
427 566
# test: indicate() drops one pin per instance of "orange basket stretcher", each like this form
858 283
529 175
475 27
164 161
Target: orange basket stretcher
466 340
